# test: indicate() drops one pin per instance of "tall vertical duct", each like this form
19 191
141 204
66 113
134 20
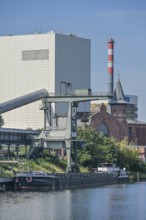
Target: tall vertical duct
111 65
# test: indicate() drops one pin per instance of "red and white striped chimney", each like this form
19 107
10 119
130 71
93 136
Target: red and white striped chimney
111 64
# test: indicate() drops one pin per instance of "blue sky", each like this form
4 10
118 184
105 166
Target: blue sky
98 20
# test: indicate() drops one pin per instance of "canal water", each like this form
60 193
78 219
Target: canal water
110 202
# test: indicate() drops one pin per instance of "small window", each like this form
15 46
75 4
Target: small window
35 55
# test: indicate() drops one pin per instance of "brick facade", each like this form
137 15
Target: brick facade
120 128
117 126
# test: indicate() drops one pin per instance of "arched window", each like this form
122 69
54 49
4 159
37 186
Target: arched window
103 129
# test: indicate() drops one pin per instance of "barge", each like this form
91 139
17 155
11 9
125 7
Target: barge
41 181
6 183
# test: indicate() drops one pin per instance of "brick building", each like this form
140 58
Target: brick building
121 122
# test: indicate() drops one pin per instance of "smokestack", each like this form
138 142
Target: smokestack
111 65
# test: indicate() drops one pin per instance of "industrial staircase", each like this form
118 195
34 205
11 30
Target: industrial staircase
35 152
36 149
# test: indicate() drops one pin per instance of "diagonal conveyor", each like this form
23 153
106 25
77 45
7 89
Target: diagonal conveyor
23 100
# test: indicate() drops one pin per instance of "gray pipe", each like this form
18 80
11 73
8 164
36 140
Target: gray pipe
23 100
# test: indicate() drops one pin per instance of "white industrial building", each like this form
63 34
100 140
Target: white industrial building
32 62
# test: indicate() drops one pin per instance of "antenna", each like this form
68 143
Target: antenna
41 29
36 30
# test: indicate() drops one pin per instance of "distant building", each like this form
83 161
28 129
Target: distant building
31 62
95 105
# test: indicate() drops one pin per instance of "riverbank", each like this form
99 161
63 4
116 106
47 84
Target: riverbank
51 164
137 176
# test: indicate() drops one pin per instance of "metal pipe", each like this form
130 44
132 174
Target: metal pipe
23 100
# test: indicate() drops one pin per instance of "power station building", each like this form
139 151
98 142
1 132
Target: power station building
57 62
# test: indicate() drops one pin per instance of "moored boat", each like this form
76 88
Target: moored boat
61 181
122 175
6 183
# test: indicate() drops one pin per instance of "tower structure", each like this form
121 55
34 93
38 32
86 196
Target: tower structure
111 65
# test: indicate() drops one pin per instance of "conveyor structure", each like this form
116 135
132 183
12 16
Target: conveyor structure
54 137
23 100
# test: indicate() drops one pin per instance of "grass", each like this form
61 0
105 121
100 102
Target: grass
49 164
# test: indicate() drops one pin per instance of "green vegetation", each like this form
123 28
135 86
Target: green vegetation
100 149
97 149
48 164
1 121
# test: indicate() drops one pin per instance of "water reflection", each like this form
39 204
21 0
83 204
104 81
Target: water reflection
114 202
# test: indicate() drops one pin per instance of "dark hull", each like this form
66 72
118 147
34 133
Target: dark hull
56 182
6 184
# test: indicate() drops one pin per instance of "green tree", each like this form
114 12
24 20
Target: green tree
1 124
91 154
1 121
110 150
100 149
128 157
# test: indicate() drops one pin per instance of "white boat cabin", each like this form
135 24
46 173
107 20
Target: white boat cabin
108 167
